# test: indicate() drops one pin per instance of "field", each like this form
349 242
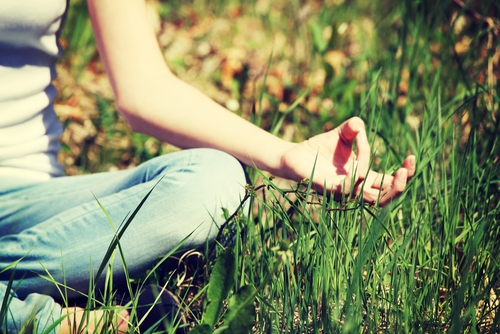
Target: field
423 75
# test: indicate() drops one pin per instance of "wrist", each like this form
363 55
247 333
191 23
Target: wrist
278 152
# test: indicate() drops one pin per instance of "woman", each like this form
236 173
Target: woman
49 222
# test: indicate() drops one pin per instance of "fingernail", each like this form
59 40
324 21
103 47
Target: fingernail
412 161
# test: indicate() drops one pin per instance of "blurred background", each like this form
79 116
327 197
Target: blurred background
295 67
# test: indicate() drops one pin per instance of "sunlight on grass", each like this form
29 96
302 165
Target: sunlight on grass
422 75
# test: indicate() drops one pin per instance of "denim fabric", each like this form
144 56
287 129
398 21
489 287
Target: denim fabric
57 227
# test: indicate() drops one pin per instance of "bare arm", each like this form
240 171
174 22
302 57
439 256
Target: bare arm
157 103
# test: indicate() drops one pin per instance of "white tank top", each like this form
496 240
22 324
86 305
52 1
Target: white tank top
29 128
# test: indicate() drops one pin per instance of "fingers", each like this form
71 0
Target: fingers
379 180
385 195
397 187
351 179
350 130
377 187
385 188
410 165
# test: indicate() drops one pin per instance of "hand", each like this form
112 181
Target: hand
76 319
336 166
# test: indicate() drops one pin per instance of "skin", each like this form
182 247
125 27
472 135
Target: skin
93 321
155 102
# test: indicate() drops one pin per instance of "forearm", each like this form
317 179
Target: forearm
157 103
175 112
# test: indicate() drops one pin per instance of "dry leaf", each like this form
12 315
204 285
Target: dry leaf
335 58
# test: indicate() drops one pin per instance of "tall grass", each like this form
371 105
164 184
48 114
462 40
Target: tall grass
427 263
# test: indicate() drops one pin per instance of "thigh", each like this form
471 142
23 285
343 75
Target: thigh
28 205
190 190
25 206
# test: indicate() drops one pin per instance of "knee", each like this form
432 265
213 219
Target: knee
208 183
223 176
224 164
221 186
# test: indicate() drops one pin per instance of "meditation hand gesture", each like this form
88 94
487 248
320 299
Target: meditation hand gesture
336 165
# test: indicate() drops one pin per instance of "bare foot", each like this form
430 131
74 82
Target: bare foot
77 320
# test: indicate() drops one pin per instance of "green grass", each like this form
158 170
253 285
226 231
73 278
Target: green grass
427 263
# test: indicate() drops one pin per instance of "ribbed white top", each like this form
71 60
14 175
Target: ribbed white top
29 129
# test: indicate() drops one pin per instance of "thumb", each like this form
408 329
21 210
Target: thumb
348 130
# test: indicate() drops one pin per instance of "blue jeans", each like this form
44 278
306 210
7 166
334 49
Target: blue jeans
58 227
